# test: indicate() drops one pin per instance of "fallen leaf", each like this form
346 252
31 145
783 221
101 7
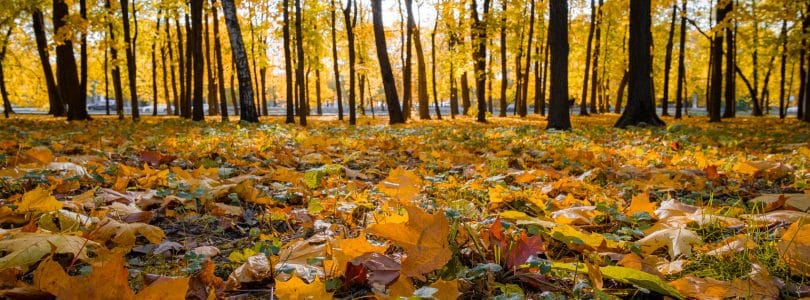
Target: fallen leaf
295 288
38 200
641 203
794 247
401 184
124 234
257 268
345 250
26 249
758 285
424 239
626 275
525 247
678 241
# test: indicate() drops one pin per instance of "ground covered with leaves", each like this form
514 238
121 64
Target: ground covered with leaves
171 209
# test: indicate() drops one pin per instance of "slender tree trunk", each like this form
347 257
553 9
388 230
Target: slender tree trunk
129 41
318 108
407 101
57 105
544 80
480 58
288 73
3 92
453 83
583 104
594 69
782 66
107 74
66 69
394 112
116 71
223 104
717 68
640 101
175 96
347 14
432 71
804 73
188 106
338 92
518 75
620 94
213 101
504 68
165 74
465 93
681 65
668 62
537 81
299 70
525 82
247 111
421 68
154 68
558 116
731 89
197 58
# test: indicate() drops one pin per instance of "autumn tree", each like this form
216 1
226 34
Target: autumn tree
391 99
66 69
640 108
479 34
558 116
56 104
129 41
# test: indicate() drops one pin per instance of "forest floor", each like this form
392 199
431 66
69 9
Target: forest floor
167 208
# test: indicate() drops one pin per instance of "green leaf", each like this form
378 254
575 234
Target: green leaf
626 275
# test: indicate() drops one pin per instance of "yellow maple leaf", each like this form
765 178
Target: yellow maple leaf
795 247
641 203
123 234
401 184
344 250
41 155
38 200
296 288
424 239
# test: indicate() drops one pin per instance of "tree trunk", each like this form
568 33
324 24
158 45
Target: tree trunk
57 106
223 104
668 62
3 92
620 94
187 112
504 68
165 74
480 57
782 66
288 72
804 73
132 71
175 97
681 66
394 112
544 80
338 92
154 69
640 110
83 54
716 87
352 56
453 83
213 101
525 82
731 88
583 103
432 70
181 63
66 69
247 111
594 69
197 58
299 70
558 116
421 68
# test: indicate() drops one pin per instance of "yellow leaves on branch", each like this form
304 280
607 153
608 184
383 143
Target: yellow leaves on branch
424 239
108 280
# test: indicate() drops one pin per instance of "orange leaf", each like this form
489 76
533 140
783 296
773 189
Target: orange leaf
641 203
424 239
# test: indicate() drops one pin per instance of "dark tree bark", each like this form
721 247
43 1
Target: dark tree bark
394 112
288 72
335 67
118 90
537 79
452 41
465 94
130 40
620 94
3 92
679 97
504 68
197 57
180 104
731 87
782 109
57 106
175 97
223 104
716 87
318 108
213 101
583 103
299 70
165 74
594 69
421 66
188 105
107 75
544 80
804 73
480 57
518 77
558 116
350 23
247 111
154 69
66 69
668 62
432 71
525 86
407 102
640 100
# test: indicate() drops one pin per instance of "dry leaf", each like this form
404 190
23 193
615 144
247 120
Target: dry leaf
295 289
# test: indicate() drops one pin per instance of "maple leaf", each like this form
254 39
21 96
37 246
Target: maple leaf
296 288
758 285
795 247
375 268
579 241
678 241
401 184
525 247
123 234
108 280
424 239
345 250
38 200
641 203
298 255
257 268
28 248
40 155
